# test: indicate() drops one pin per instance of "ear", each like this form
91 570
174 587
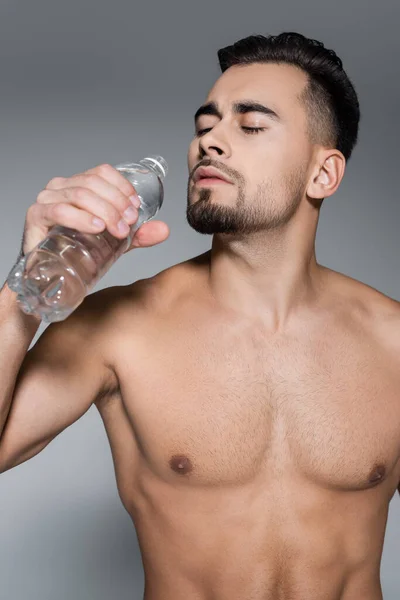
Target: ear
327 174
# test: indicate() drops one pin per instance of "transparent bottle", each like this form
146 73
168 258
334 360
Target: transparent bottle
54 277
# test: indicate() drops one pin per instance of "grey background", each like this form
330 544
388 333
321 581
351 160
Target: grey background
90 81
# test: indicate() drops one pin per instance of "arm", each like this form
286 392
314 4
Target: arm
17 331
51 386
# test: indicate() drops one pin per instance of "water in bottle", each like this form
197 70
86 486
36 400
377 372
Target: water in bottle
53 279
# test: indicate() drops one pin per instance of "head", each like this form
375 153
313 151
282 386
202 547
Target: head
280 123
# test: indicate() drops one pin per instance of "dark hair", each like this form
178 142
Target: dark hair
330 99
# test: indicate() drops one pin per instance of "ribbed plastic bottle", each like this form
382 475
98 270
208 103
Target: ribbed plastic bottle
53 279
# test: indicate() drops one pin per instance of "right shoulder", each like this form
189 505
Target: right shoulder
122 314
161 292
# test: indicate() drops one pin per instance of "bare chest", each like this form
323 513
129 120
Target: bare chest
216 408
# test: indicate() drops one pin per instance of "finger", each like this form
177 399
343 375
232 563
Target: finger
87 200
113 176
105 171
93 182
150 234
47 215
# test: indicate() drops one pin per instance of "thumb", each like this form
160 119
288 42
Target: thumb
149 234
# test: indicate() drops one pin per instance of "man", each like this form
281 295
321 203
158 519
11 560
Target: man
250 395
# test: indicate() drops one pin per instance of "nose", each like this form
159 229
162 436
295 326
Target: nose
214 143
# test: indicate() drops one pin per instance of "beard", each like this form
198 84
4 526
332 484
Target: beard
264 211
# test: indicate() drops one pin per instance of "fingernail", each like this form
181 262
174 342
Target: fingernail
135 201
123 226
130 213
98 222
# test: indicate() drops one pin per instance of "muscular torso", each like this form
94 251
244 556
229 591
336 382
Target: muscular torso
255 466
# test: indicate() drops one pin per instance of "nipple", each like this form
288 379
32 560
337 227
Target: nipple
181 464
377 474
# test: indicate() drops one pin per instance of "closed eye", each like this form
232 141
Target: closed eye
247 130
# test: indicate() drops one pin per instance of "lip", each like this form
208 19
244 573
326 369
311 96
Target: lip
206 181
210 175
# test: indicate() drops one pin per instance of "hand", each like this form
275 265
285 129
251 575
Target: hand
101 192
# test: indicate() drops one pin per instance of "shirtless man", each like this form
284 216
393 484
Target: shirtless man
250 395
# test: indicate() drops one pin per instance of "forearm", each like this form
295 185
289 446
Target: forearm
17 331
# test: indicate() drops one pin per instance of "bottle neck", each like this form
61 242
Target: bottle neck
155 165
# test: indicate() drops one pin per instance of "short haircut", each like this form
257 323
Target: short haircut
330 99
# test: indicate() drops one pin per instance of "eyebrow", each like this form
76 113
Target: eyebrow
240 108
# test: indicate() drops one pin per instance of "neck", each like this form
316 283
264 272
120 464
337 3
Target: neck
269 274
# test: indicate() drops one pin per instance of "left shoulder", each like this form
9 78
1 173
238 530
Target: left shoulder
375 315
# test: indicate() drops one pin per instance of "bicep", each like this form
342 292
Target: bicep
59 379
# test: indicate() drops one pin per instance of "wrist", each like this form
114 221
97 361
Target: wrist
9 302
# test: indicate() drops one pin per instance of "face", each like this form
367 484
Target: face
253 129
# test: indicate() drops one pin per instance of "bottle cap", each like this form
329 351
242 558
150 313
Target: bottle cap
159 162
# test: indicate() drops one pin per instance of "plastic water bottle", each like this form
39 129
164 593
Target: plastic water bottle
54 277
